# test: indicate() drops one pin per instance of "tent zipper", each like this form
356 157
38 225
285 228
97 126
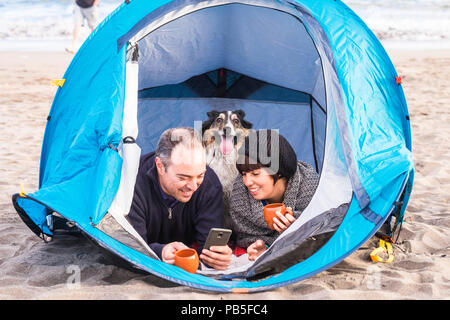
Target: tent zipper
133 52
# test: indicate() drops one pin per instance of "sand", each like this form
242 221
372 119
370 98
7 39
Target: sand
72 268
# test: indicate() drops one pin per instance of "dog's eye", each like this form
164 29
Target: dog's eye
219 120
236 121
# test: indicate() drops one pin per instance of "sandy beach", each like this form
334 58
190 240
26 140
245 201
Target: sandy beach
32 269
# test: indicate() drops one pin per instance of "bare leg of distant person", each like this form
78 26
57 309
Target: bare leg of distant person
76 34
81 16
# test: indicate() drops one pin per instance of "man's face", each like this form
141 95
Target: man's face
185 173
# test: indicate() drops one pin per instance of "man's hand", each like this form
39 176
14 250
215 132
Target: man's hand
168 251
218 257
255 249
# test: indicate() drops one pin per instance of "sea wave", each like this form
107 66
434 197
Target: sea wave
42 19
413 20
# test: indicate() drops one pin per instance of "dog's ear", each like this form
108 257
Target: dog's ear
207 123
212 114
240 113
245 123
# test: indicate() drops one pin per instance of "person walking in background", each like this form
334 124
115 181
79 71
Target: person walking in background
84 10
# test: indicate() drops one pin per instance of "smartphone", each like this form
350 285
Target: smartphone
217 237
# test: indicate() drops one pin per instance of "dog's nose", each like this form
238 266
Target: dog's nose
227 131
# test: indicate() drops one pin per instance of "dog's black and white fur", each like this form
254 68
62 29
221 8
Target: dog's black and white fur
223 134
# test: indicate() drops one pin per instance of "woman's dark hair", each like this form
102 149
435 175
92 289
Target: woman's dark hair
268 149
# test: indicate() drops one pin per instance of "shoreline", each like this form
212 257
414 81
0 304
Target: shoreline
58 45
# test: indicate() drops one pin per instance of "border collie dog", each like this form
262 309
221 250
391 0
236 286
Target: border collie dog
223 134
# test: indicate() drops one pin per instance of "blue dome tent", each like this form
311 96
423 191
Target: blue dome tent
311 69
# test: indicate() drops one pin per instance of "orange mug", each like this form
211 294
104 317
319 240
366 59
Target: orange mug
187 259
270 212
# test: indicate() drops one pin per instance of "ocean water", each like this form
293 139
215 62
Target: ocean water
47 20
413 20
28 24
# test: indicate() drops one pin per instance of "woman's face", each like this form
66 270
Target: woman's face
259 183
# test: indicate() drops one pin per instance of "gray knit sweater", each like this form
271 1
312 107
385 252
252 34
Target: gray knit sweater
247 213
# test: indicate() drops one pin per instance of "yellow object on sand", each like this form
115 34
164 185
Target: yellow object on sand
22 192
58 82
384 247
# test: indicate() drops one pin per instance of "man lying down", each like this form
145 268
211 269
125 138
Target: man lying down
178 199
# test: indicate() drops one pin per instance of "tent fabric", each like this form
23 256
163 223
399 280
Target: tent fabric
238 38
367 76
153 119
355 122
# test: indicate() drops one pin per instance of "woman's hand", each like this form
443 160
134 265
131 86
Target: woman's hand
281 223
255 249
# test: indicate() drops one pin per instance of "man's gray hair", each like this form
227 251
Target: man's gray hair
172 137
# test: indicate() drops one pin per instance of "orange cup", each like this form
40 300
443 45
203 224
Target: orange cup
187 259
270 212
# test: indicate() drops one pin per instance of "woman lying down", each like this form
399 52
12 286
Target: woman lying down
269 173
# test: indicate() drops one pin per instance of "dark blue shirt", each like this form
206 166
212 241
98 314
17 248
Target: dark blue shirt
170 201
161 219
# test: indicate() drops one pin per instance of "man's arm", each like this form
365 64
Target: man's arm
137 214
138 219
139 211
